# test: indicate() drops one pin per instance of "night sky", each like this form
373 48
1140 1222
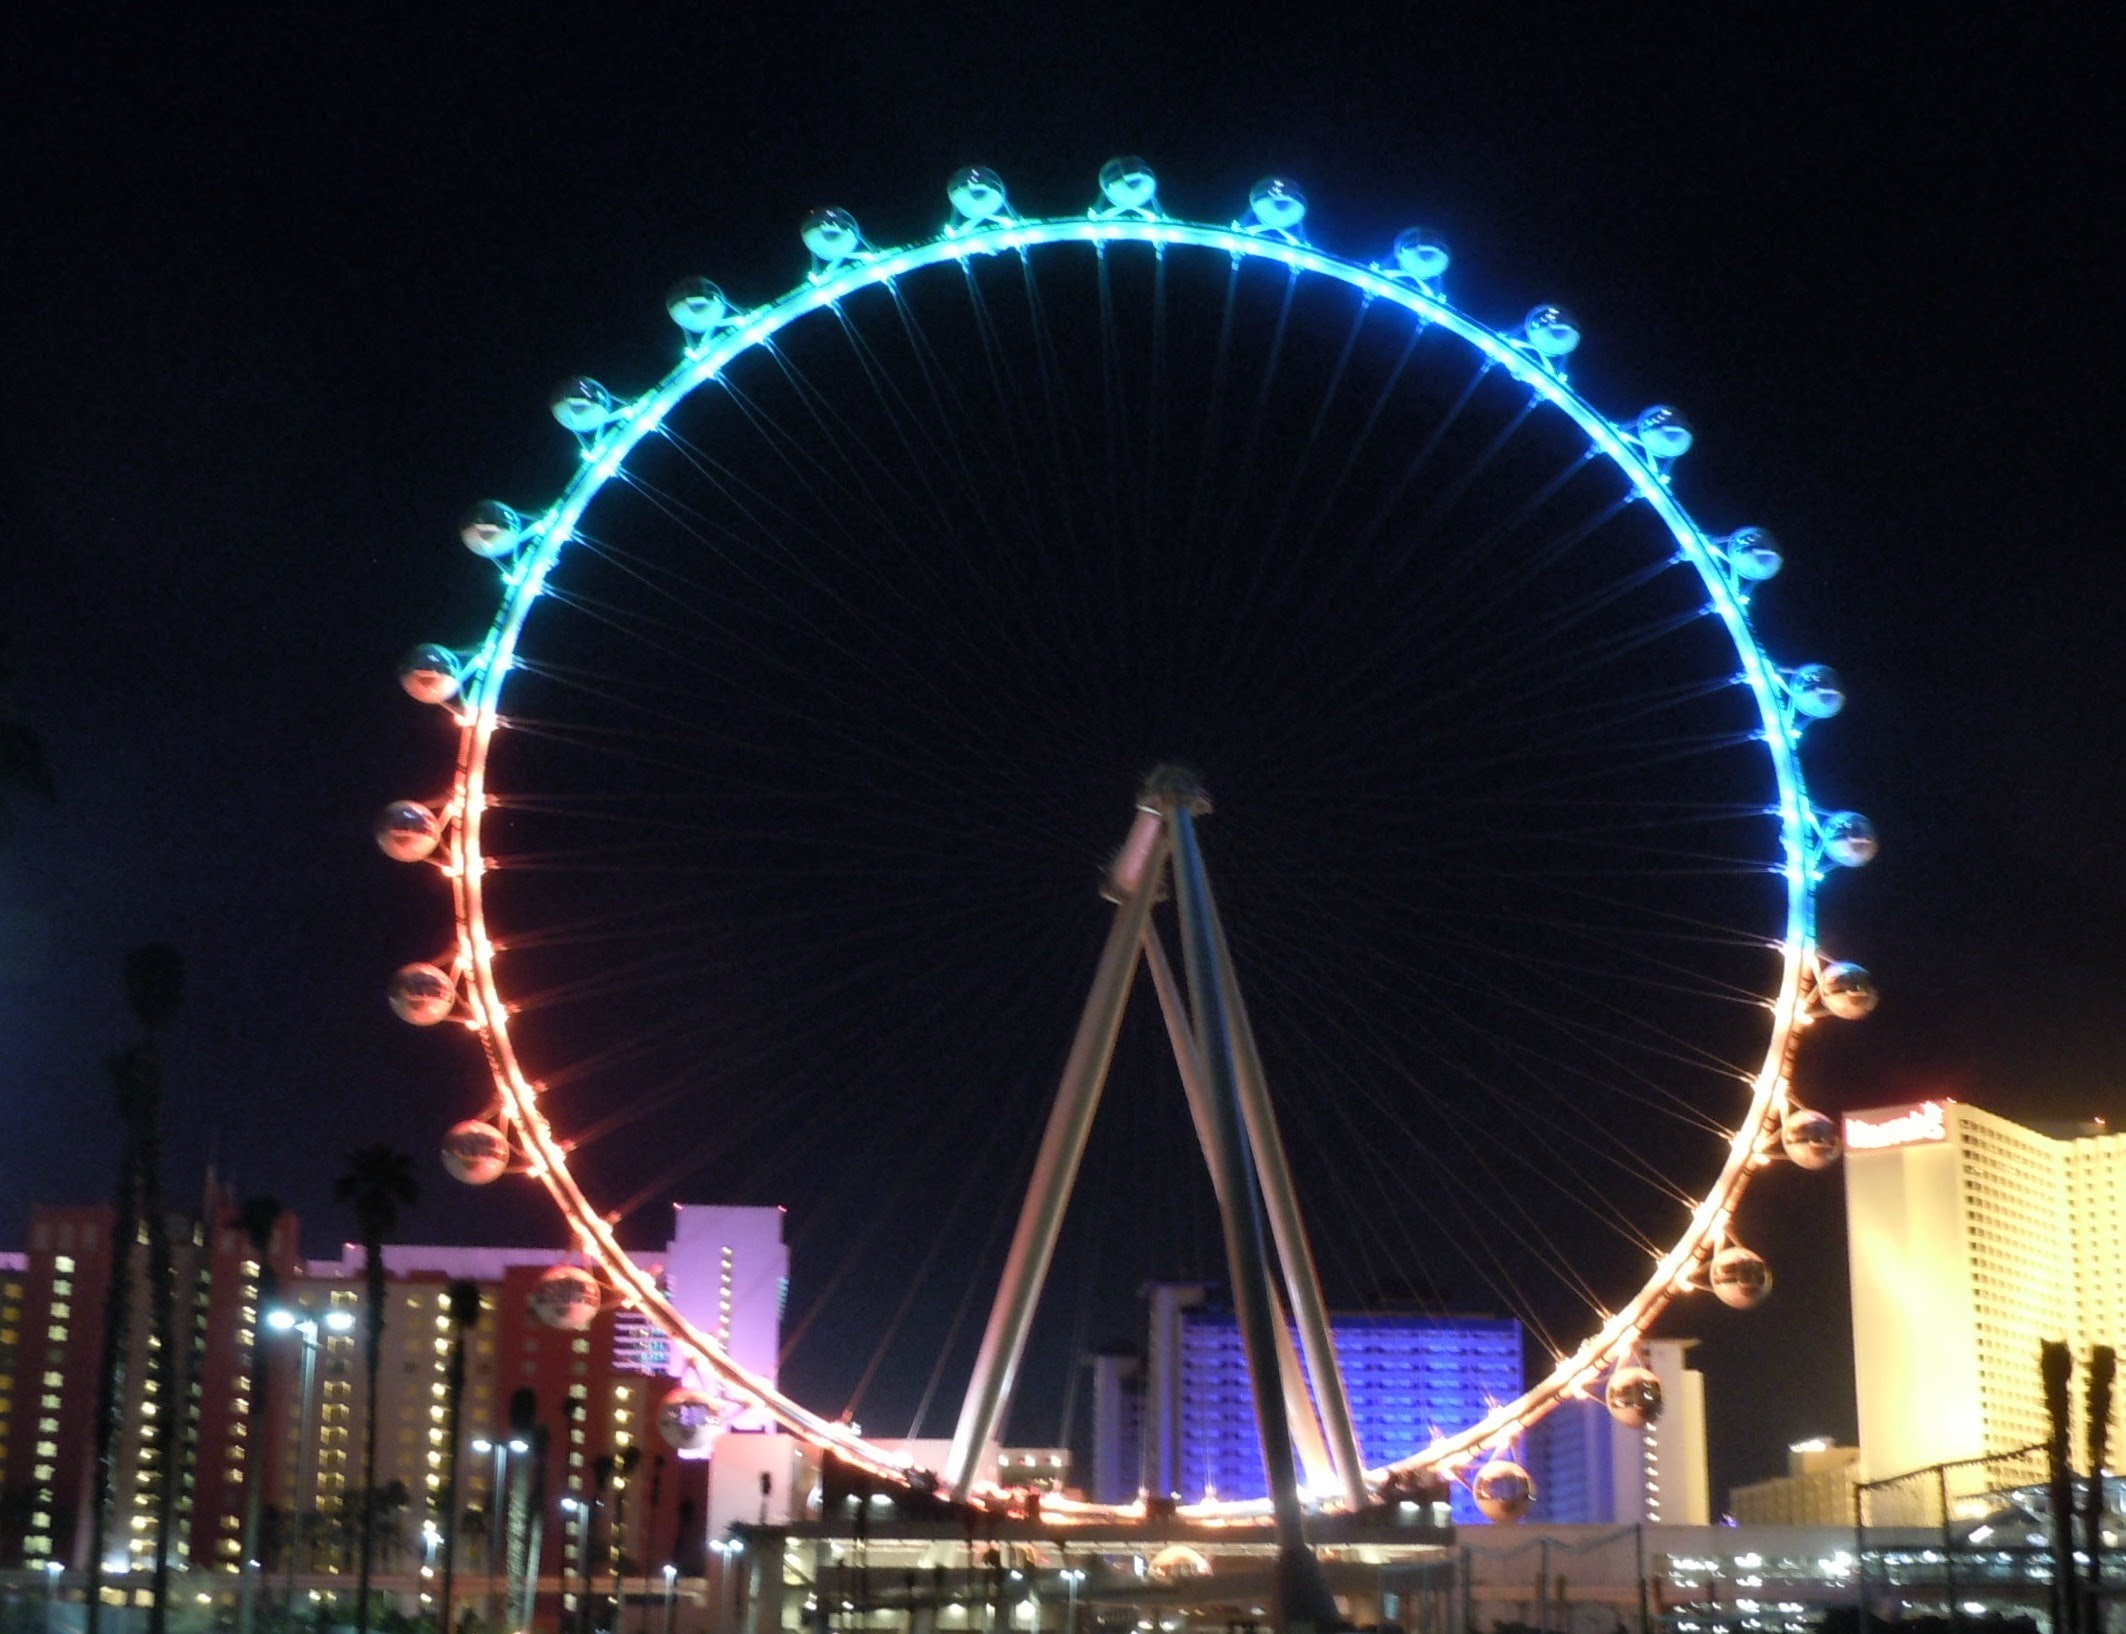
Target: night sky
285 301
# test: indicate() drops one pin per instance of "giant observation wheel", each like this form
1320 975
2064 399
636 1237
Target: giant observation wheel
1610 838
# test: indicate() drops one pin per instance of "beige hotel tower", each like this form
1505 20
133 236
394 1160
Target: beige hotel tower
1972 1240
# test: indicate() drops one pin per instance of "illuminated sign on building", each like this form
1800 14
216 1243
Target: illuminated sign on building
1896 1126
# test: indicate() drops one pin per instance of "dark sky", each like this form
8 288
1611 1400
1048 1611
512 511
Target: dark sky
285 300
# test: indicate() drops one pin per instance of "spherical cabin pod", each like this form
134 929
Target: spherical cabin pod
476 1152
1551 331
408 831
1809 1139
1739 1278
1277 204
582 405
688 1420
567 1298
832 235
1503 1491
1754 554
423 994
491 529
977 192
1633 1396
1849 839
430 674
1847 991
696 305
1422 253
1663 433
1128 183
1816 690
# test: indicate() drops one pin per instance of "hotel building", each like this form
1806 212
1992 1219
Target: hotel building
1972 1240
1182 1419
1590 1470
595 1392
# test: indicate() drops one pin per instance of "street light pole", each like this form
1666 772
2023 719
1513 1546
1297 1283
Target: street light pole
281 1319
495 1504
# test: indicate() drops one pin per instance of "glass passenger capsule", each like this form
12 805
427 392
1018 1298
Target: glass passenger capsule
1739 1278
1503 1491
430 674
696 305
476 1152
1633 1395
688 1420
1551 331
977 193
423 994
1422 253
1663 432
491 529
832 235
1849 839
1754 554
1278 204
407 831
567 1297
1816 690
1847 991
1127 183
1809 1139
582 405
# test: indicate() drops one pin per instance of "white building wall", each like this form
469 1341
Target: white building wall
727 1270
1591 1470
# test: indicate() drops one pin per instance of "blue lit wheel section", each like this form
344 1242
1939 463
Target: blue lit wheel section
815 702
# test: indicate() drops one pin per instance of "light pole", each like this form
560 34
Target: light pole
671 1587
496 1502
282 1319
52 1569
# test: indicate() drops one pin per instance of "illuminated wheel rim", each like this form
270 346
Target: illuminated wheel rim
611 430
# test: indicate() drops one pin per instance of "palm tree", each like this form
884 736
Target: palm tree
155 984
258 1217
462 1304
375 1185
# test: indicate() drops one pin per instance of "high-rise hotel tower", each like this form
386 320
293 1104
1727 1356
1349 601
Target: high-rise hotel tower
1972 1240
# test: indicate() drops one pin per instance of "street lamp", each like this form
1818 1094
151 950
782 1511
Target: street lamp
281 1319
1072 1577
496 1503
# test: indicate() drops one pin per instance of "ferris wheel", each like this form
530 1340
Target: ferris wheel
1523 864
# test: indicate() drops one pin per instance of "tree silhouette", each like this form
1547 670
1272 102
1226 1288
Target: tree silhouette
462 1305
155 982
376 1184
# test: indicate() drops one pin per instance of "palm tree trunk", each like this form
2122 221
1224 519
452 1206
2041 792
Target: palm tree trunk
366 1541
454 1401
110 1370
162 1338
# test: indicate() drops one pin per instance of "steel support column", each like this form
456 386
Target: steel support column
1302 1598
1033 1244
1306 1428
1295 1254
